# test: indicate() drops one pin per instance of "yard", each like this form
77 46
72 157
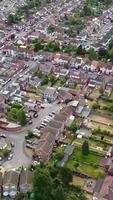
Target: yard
100 119
91 171
103 126
87 165
78 181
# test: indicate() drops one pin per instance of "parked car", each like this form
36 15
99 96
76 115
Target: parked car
29 141
30 122
3 135
35 115
10 156
42 107
29 146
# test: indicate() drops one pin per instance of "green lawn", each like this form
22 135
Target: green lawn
98 118
91 171
85 164
91 158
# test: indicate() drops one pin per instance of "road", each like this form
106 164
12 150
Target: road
19 156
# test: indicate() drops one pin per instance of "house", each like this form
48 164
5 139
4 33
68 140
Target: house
46 68
91 66
106 68
57 125
105 189
2 104
64 96
10 183
58 71
45 146
49 129
85 133
62 58
25 183
50 94
110 84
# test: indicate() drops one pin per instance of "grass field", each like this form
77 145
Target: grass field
101 119
91 171
85 164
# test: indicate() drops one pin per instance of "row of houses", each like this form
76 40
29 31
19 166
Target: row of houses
52 133
13 182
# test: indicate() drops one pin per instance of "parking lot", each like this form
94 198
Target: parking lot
19 156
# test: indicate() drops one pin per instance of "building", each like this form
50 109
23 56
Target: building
50 94
45 146
25 183
10 184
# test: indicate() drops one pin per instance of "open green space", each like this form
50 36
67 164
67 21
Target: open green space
87 165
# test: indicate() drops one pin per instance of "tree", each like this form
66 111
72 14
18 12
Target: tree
52 79
22 117
45 81
66 175
59 194
92 54
85 148
30 134
38 45
20 196
102 52
110 54
79 50
51 29
73 127
42 184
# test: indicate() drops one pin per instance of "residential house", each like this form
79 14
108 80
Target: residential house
2 104
106 68
64 96
58 71
50 94
45 146
25 183
46 68
10 183
57 125
49 129
104 191
91 66
62 58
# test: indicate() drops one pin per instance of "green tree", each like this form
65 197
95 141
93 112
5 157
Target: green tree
22 117
52 79
73 127
85 148
66 175
92 54
79 50
42 184
45 81
20 196
110 54
38 45
59 194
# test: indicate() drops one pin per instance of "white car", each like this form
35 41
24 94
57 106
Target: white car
35 162
10 156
